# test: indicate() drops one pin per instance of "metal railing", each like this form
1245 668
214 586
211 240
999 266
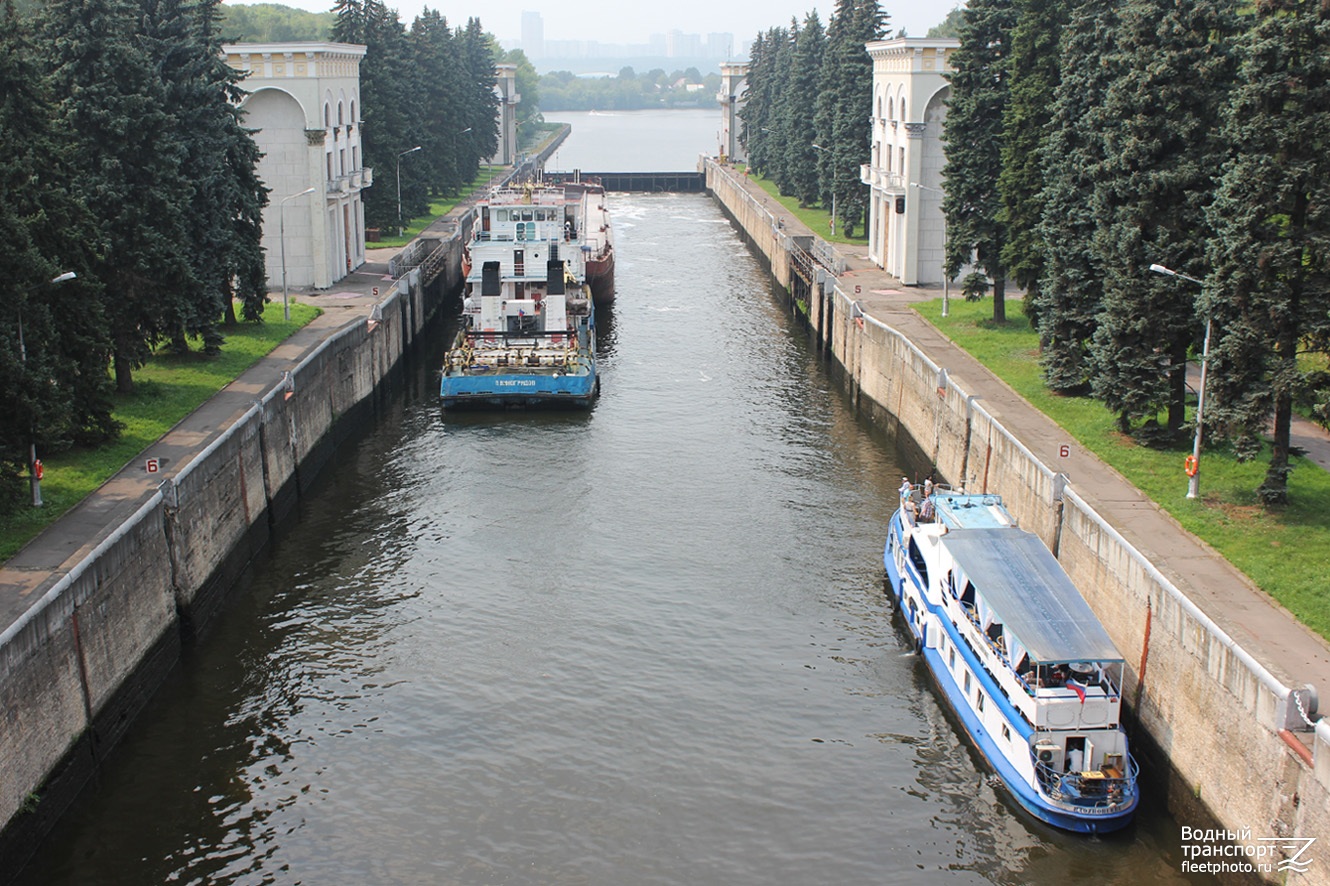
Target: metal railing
1079 791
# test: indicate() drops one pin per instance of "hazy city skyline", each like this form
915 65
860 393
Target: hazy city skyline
634 24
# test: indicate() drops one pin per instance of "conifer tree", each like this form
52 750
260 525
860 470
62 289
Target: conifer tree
1070 292
782 134
388 103
437 57
844 110
225 198
128 167
1160 156
973 135
1034 73
480 104
1268 290
53 345
759 110
801 109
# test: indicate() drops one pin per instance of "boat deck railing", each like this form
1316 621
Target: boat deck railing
490 350
511 237
1094 789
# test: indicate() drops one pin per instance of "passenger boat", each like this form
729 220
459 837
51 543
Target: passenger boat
528 322
1017 653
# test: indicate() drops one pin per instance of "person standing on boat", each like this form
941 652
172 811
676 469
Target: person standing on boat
1075 759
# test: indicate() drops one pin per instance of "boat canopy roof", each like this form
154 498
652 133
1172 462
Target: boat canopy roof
1026 590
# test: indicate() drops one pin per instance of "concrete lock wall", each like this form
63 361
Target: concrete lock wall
77 666
1219 719
80 664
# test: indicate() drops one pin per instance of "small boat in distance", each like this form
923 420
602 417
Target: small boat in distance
1018 655
527 335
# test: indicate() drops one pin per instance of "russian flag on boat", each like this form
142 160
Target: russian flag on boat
1077 688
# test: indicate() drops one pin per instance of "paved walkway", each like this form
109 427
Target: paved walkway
1292 652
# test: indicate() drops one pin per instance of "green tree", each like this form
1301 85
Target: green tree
1268 291
225 197
442 132
53 345
128 164
275 23
801 110
480 105
844 109
759 111
782 136
1161 152
973 136
1070 292
1033 73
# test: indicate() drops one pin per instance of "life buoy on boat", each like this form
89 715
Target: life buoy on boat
1191 466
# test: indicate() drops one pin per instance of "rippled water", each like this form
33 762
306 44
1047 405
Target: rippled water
641 645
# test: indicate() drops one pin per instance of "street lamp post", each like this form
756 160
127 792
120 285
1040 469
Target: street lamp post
35 466
946 278
1194 474
399 185
281 235
833 189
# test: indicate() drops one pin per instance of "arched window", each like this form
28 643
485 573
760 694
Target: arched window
327 115
354 118
891 109
340 116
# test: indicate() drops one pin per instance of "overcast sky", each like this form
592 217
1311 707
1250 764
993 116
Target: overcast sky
634 21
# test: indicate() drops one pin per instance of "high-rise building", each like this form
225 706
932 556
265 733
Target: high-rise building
533 35
720 46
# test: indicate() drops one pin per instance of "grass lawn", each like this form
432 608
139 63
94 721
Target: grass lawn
817 219
167 389
1285 552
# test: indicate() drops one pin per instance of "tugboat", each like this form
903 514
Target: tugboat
528 322
1017 653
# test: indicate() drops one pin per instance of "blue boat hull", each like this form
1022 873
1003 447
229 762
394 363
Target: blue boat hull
518 389
1021 790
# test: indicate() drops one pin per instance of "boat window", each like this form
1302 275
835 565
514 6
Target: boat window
967 682
501 215
917 558
951 656
979 696
1006 733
